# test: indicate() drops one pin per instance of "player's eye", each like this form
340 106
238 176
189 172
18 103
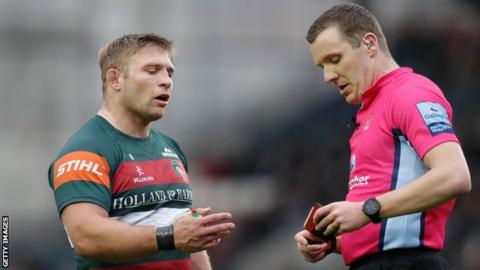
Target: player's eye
335 59
152 71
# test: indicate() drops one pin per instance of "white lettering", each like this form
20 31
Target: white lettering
159 195
61 170
143 179
147 198
166 154
88 166
436 115
129 201
117 203
5 242
171 194
65 167
77 162
70 163
180 194
95 169
79 165
358 181
136 200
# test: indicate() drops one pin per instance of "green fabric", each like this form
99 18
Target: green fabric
83 263
101 138
83 191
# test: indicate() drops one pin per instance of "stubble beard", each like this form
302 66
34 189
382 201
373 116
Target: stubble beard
145 114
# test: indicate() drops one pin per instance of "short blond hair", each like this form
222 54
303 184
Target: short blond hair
117 53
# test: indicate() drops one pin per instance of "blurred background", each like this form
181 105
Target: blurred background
265 137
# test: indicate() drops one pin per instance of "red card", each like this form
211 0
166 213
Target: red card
309 225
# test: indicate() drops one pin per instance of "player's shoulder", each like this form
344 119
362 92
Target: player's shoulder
158 135
413 86
92 137
409 89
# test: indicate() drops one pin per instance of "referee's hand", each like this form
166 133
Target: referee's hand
340 217
312 248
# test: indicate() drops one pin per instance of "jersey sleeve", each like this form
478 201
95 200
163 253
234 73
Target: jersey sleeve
423 115
82 171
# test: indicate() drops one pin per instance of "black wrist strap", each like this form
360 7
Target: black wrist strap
165 238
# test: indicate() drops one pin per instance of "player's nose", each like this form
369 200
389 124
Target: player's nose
329 76
165 81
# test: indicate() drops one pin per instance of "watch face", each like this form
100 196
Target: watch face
371 207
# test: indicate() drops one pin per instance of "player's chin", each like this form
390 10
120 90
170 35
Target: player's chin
352 100
154 116
348 100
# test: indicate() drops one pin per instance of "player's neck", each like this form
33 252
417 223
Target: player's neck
385 64
125 122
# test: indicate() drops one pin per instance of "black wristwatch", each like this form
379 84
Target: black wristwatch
371 208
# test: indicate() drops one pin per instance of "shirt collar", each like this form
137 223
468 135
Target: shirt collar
372 91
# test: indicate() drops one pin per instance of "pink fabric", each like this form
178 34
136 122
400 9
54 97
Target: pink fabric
405 103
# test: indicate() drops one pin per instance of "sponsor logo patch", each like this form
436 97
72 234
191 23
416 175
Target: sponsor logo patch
141 176
153 197
167 152
358 181
178 169
81 165
435 117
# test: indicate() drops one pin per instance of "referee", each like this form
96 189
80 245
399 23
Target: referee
406 163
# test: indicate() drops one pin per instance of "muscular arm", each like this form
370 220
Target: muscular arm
447 178
97 237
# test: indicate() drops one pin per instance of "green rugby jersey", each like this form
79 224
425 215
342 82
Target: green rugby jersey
139 181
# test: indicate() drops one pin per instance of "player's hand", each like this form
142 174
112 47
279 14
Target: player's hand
339 217
312 248
193 234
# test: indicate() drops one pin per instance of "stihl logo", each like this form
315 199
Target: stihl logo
79 165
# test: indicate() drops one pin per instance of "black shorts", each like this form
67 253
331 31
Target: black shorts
402 259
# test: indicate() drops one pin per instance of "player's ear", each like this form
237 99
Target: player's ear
370 42
113 78
369 45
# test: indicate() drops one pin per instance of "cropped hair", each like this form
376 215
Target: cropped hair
352 20
117 53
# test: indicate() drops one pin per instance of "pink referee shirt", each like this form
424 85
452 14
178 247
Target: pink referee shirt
403 115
